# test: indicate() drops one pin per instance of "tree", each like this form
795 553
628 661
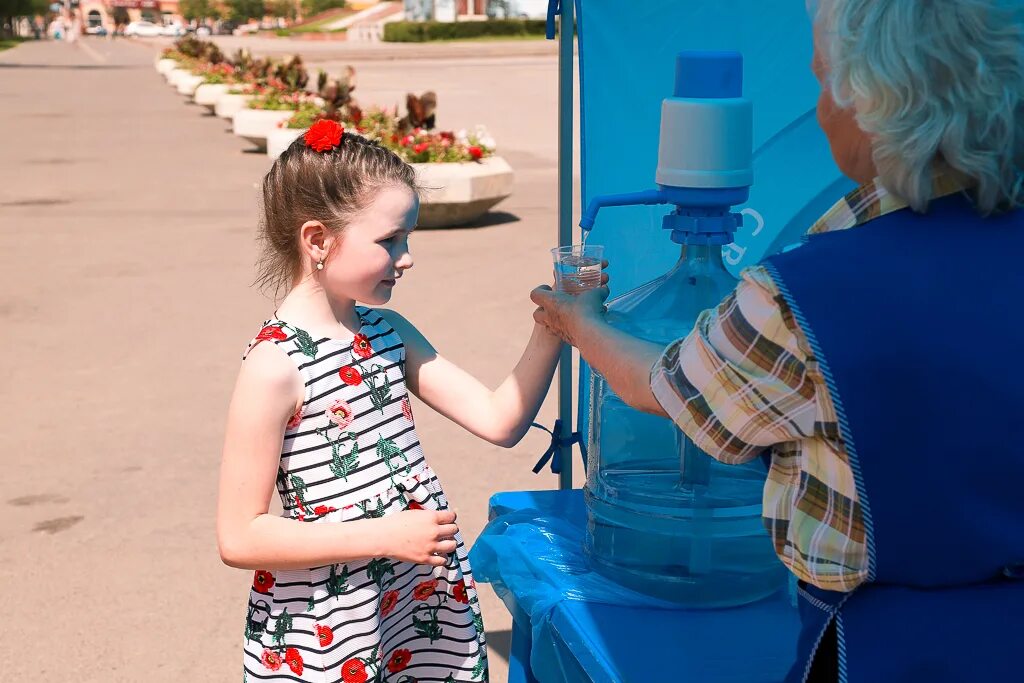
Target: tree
10 9
311 7
244 10
120 17
282 8
196 9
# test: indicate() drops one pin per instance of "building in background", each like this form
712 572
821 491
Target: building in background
446 10
159 12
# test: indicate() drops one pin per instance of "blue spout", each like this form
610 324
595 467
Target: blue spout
649 197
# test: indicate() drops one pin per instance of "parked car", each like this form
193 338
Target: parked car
203 32
226 28
143 29
518 9
96 30
173 30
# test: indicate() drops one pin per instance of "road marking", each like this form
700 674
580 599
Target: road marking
96 56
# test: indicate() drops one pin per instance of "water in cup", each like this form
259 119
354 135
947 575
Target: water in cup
575 274
578 267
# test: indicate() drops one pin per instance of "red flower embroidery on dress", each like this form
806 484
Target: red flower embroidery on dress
296 419
361 346
271 660
475 152
388 603
407 408
425 590
350 376
325 634
354 671
324 135
340 413
271 332
263 581
459 593
298 503
324 509
413 505
399 660
294 660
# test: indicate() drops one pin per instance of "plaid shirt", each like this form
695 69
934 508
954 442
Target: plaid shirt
746 379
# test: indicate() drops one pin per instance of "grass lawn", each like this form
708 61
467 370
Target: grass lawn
8 43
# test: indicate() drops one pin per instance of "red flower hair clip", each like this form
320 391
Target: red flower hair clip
324 135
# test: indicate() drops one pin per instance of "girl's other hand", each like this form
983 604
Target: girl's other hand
422 536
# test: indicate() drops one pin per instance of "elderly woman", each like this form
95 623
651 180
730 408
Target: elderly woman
876 361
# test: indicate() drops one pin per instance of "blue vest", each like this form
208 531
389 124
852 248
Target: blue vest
918 323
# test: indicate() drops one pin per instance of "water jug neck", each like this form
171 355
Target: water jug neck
702 257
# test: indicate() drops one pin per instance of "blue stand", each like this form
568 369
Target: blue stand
590 642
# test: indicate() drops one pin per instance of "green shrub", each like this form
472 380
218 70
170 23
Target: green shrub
422 31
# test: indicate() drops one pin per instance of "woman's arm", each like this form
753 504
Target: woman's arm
501 416
266 394
736 384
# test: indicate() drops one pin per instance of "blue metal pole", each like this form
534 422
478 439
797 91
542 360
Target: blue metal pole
566 115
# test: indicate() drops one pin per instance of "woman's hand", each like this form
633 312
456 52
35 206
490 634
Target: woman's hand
561 313
421 536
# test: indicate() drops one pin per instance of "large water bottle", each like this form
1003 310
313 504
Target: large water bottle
664 518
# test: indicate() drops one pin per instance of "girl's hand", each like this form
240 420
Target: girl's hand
421 536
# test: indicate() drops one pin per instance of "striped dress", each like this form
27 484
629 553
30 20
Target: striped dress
352 452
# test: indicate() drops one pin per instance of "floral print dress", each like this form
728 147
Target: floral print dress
352 452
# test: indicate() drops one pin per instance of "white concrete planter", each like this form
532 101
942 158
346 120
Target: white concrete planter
256 124
456 194
175 74
187 84
279 139
230 104
208 94
164 65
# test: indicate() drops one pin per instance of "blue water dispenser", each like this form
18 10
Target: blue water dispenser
664 518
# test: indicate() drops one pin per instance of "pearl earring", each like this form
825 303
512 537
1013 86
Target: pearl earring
320 264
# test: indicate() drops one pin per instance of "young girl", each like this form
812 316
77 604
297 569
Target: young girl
365 577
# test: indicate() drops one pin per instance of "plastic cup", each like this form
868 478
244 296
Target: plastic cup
578 267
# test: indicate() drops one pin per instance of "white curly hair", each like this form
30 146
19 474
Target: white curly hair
932 82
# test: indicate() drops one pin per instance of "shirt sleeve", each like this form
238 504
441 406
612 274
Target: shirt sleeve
738 382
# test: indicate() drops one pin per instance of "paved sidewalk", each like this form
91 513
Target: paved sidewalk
127 220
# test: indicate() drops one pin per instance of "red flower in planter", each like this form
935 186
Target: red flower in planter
325 634
388 603
408 140
421 148
263 581
459 593
271 332
399 660
354 671
350 376
447 135
271 660
324 135
476 153
361 346
425 590
295 420
294 660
